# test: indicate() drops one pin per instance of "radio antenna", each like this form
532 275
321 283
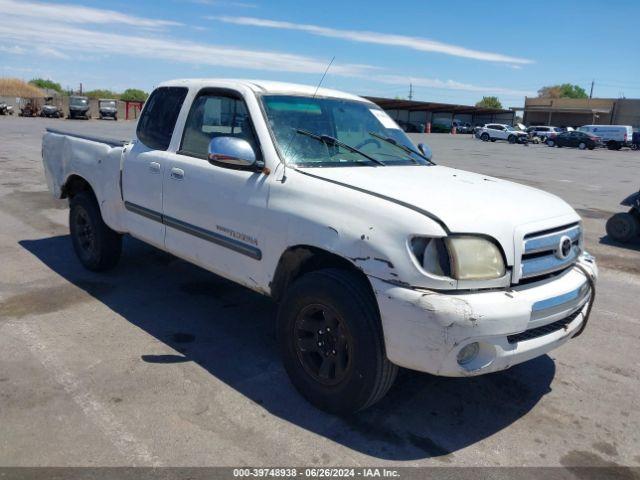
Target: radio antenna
284 173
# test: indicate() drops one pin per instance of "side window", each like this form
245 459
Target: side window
158 119
214 115
498 127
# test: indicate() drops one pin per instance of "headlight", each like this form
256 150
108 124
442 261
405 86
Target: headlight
464 257
474 258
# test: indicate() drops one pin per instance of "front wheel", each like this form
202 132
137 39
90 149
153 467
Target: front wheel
622 227
331 341
551 143
511 139
97 246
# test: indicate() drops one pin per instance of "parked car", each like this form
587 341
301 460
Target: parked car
497 131
613 136
411 127
51 111
463 127
370 273
78 107
6 109
108 108
625 226
542 131
635 142
574 139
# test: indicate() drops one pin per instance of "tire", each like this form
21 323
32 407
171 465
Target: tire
97 246
613 145
551 143
622 227
582 145
512 139
366 374
591 148
493 139
485 137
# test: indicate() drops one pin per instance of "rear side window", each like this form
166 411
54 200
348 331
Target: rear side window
158 119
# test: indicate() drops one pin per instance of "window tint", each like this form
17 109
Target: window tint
216 116
158 119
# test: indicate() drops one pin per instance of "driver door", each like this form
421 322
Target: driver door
214 214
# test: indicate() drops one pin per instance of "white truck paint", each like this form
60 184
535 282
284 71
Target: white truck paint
250 225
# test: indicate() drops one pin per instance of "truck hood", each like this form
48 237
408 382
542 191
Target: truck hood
465 202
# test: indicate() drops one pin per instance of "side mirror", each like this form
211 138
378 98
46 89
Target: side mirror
425 150
232 152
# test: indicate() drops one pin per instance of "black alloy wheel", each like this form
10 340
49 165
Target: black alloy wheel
323 344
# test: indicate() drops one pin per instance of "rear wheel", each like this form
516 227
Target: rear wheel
331 341
512 139
622 227
484 137
582 145
550 142
613 145
96 245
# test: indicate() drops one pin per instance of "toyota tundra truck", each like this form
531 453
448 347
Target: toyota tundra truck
377 257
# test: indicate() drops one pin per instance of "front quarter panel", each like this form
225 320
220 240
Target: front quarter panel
369 231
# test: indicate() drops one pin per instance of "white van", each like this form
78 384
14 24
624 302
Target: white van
613 136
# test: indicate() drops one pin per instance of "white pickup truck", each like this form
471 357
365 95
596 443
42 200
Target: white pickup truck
377 257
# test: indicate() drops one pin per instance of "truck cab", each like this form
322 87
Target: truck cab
378 258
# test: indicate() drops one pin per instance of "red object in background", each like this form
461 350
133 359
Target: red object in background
427 128
137 106
453 130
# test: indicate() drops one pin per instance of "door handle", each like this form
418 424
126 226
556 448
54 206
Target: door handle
177 173
154 167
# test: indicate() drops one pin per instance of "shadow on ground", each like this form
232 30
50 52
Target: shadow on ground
632 245
229 331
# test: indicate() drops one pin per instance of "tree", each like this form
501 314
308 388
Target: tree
133 94
489 102
101 93
565 90
50 84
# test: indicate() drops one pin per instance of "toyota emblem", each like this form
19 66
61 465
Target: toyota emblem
564 247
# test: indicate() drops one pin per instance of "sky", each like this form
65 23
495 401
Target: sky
452 52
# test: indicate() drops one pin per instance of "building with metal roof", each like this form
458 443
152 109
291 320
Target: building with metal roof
440 116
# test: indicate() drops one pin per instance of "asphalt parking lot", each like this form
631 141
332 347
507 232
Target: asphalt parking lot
161 363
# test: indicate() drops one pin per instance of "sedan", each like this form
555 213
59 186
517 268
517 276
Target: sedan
574 139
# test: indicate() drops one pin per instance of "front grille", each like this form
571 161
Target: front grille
540 251
544 330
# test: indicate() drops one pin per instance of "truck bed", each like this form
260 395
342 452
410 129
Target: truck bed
95 159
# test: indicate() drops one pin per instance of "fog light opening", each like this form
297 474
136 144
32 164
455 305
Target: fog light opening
468 353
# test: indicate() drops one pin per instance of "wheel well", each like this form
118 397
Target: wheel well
301 259
74 185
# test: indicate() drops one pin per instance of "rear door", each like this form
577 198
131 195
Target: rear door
145 163
214 214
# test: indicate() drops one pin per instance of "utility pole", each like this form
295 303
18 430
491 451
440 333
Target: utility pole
411 91
591 92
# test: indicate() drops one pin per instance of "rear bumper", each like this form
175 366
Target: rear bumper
425 330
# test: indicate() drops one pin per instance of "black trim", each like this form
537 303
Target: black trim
383 197
208 235
113 142
145 212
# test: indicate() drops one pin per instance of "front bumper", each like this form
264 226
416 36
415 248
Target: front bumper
425 330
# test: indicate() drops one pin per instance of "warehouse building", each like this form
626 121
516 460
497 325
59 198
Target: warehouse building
439 116
575 112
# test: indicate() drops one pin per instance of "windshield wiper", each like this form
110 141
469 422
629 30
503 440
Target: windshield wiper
404 148
329 140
